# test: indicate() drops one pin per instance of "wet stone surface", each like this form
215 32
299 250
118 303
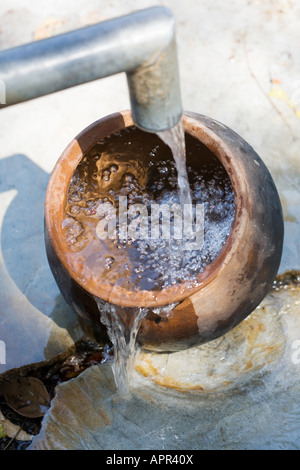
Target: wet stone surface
240 392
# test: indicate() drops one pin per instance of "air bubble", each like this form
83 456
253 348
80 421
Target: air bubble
89 211
75 197
106 175
128 178
109 261
71 240
81 188
75 209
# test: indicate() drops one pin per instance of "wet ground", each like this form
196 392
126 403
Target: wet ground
240 64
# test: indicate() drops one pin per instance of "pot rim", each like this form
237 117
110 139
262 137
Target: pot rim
56 197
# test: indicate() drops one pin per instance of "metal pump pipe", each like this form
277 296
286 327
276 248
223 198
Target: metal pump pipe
142 44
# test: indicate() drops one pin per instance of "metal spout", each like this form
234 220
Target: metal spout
142 44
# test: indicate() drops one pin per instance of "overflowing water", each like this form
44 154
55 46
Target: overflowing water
122 326
110 222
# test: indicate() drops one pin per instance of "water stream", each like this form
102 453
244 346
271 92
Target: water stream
122 326
123 331
141 169
174 138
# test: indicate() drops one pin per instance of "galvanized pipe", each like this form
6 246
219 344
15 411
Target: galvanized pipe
142 44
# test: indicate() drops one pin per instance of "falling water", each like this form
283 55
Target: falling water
123 331
174 138
87 192
122 327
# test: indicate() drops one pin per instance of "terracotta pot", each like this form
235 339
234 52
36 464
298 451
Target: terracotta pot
229 288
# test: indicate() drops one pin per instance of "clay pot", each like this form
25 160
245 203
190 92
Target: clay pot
229 288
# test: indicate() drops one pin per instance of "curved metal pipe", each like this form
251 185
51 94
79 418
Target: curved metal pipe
142 44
